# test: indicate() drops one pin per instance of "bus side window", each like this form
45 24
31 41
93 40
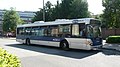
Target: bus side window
53 31
82 30
34 31
82 33
42 31
45 32
28 31
20 31
65 30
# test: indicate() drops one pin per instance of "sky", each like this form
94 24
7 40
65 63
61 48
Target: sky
95 6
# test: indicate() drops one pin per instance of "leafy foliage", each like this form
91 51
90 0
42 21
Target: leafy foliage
111 13
67 9
48 13
8 60
79 9
10 20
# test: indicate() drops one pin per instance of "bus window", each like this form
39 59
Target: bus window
65 30
20 31
93 31
53 31
35 31
78 30
75 30
28 31
42 31
82 30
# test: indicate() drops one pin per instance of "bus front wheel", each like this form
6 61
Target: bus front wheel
64 45
28 41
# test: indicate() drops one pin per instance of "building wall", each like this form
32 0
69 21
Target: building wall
26 16
0 28
110 32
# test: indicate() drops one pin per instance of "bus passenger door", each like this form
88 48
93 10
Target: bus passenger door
77 41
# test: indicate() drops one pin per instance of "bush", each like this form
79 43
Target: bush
8 60
113 39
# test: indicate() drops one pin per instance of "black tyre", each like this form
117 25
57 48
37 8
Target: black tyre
28 41
64 45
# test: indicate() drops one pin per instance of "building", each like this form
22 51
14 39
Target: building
24 15
1 15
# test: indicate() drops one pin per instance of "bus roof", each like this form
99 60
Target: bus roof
58 22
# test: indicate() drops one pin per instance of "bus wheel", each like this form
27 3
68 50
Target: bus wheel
28 41
64 45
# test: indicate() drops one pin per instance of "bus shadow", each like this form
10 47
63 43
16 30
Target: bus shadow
78 54
73 53
110 52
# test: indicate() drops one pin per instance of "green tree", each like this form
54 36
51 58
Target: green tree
57 11
79 9
67 9
111 13
10 20
48 13
38 16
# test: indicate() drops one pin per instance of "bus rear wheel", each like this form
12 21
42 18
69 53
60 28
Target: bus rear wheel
28 41
64 45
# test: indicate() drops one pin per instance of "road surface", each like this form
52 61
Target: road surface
41 56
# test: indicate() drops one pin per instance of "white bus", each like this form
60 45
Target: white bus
76 33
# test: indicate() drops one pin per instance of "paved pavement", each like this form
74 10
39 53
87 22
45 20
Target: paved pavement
10 38
111 46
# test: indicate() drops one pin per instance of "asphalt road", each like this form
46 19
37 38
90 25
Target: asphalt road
41 56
